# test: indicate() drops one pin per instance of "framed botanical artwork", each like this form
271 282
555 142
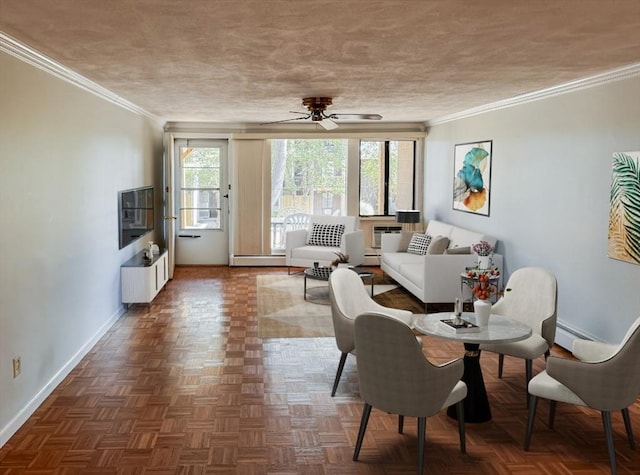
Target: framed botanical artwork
624 208
472 177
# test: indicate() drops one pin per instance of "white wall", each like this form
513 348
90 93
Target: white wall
64 154
550 182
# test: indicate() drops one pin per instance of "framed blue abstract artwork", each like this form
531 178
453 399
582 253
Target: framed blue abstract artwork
472 177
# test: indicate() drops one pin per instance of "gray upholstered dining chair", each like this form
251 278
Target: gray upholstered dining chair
530 297
396 377
349 298
604 377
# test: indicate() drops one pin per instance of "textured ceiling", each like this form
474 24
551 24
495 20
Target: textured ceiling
251 61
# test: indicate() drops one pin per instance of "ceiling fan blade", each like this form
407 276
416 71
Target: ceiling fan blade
356 116
327 124
306 116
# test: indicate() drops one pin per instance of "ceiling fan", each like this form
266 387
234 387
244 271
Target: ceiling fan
317 113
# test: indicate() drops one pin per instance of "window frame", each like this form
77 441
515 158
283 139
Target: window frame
386 173
181 189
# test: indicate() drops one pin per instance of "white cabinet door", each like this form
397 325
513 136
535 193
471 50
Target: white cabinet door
140 281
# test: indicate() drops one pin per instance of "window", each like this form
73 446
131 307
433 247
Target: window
307 176
199 187
386 176
339 176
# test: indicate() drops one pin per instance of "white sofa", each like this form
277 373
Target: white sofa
433 278
301 254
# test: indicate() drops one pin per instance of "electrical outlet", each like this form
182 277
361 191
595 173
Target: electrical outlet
17 366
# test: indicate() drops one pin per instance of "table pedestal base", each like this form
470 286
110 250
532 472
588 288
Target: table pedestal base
476 404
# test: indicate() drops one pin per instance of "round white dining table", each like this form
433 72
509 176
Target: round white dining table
500 329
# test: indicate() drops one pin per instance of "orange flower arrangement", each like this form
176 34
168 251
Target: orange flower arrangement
483 288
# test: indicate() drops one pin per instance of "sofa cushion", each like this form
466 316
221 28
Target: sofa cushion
438 228
463 237
326 235
458 250
438 245
315 253
419 244
413 272
405 239
395 260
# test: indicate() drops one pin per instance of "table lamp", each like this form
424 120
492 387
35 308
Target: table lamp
408 218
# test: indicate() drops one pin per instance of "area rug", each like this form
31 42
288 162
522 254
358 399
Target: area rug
284 313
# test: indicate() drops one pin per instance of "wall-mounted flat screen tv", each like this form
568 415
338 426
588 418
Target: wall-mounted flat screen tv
135 213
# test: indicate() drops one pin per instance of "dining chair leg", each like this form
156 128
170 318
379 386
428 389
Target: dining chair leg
343 359
606 421
500 364
366 411
627 426
400 423
528 370
461 430
552 413
533 403
422 429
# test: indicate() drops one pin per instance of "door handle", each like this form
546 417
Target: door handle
169 217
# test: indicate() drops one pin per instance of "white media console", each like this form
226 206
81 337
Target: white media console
141 280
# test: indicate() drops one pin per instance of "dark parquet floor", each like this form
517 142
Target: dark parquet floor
186 386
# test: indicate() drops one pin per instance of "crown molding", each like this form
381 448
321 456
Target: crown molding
619 74
28 55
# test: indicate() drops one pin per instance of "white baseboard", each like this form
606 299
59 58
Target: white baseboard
566 334
257 261
23 415
564 339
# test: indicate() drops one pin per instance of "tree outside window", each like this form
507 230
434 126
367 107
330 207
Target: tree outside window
386 176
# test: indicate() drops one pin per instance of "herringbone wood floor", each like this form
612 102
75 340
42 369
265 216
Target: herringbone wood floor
186 386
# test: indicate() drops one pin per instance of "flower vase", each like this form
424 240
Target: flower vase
482 310
484 262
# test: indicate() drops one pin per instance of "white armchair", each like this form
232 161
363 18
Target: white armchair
301 252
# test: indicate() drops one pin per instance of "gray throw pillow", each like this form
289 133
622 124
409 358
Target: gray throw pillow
458 250
438 245
405 239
